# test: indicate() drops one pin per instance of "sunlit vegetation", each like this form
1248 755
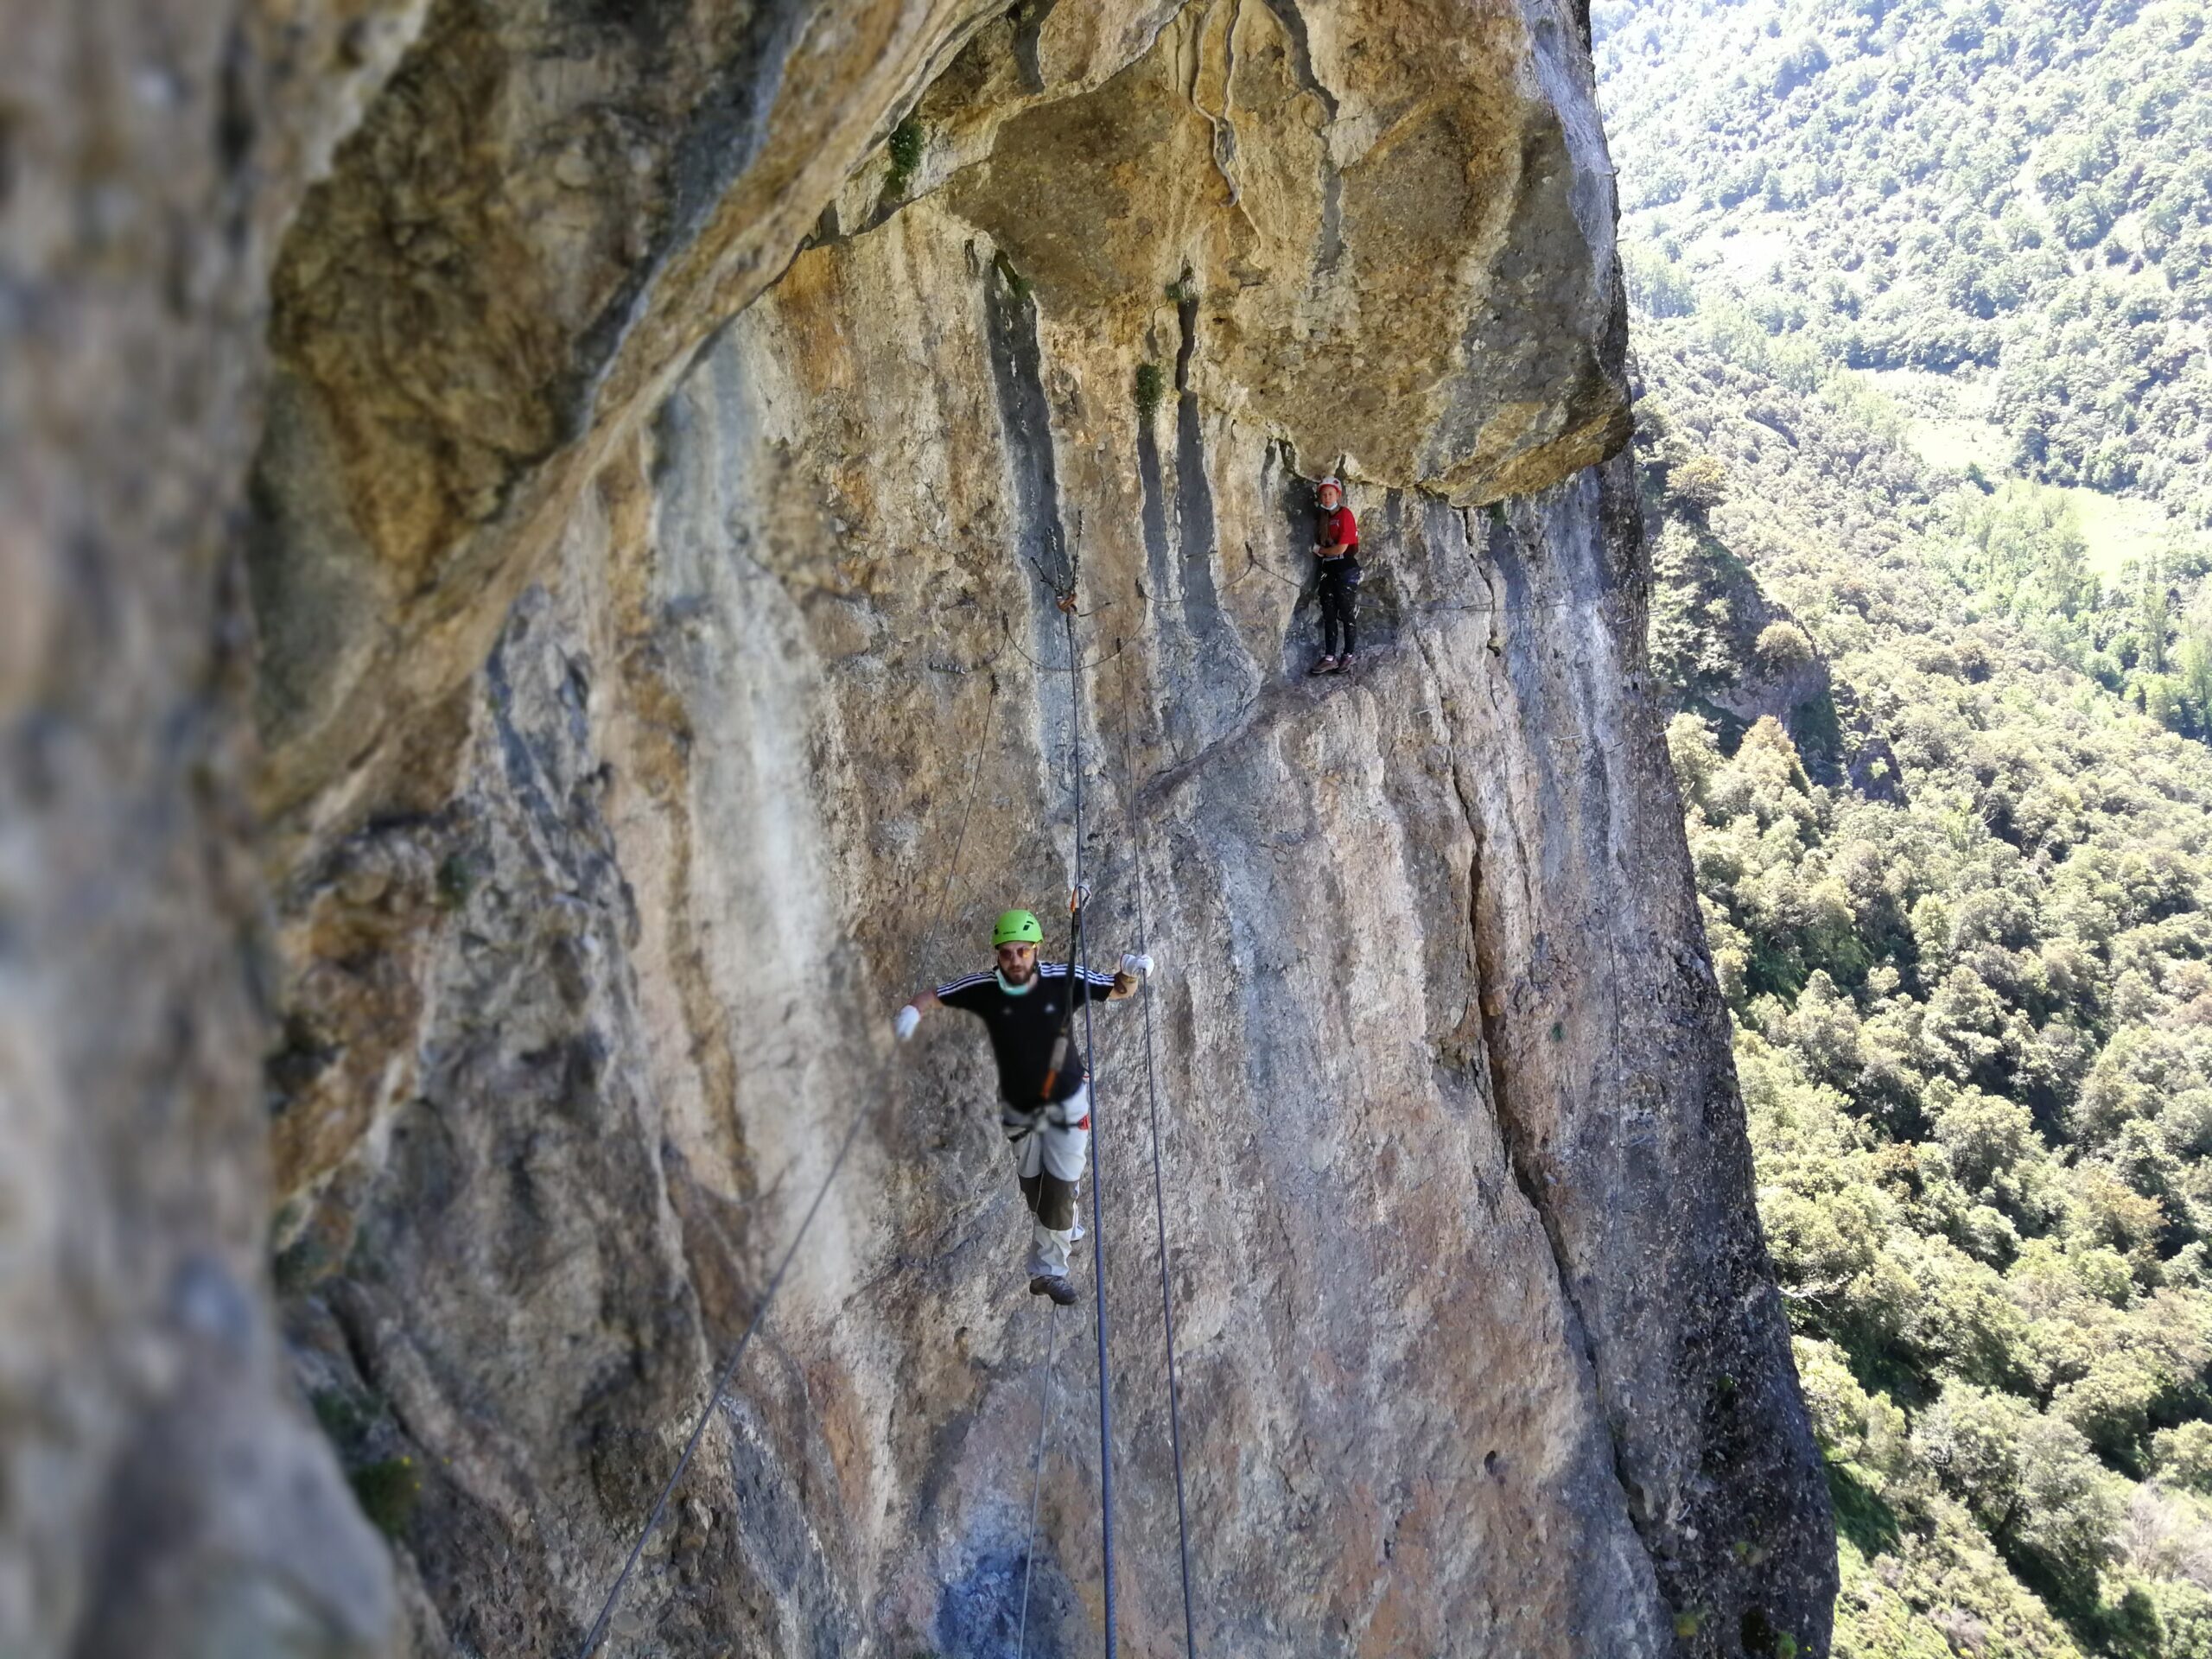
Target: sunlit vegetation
1907 275
1955 892
2016 191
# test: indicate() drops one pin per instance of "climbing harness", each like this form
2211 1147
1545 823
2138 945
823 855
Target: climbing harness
1159 1201
861 1118
1065 1038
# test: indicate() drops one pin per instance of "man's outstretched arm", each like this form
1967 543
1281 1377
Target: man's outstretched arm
1131 973
911 1014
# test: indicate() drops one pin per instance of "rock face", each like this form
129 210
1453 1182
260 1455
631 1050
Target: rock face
661 678
159 1490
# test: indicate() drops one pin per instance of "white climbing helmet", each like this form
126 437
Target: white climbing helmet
1329 483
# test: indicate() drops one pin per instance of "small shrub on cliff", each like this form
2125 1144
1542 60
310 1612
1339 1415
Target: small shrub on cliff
458 875
1017 284
1701 481
388 1492
1783 648
346 1416
905 148
1151 386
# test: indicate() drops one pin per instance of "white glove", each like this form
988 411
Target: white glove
1134 964
909 1017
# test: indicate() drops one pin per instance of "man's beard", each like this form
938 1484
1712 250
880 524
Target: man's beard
1021 975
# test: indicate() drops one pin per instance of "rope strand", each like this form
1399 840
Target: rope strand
1037 1490
935 936
1159 1209
598 1633
722 1382
1082 984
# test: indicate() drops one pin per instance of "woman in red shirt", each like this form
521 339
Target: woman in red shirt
1336 548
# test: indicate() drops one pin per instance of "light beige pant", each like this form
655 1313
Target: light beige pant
1049 1148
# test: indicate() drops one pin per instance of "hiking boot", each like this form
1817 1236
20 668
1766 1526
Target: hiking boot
1055 1286
1326 665
1343 664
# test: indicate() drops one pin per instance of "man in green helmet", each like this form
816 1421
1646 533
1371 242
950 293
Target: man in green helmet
1027 1006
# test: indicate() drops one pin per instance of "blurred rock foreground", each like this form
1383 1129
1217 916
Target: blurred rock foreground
525 546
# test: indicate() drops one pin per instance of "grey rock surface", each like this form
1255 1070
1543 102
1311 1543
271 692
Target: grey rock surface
160 1489
659 679
1480 1350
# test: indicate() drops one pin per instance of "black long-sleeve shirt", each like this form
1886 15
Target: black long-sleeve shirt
1023 1027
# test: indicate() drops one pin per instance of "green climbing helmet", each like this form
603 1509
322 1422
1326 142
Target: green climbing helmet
1016 927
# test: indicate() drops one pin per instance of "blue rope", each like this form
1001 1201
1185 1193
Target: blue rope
1037 1488
721 1382
1097 1177
598 1633
1159 1214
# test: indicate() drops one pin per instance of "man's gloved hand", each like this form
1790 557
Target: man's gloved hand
1135 964
909 1017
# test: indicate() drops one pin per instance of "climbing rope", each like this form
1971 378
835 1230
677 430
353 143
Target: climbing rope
1415 611
1159 1203
1055 667
1097 1164
1037 1487
721 1382
597 1634
861 1118
869 1110
1077 989
935 936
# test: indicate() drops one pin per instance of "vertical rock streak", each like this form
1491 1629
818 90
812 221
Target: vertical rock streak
1219 681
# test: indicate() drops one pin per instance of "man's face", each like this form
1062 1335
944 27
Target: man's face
1017 962
1329 497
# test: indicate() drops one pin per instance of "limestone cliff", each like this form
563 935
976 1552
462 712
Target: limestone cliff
652 546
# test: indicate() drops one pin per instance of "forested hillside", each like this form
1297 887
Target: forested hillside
1942 749
2014 191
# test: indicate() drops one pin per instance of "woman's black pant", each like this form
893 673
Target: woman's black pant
1339 592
